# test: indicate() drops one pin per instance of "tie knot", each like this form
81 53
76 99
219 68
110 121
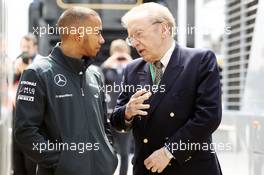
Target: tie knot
158 64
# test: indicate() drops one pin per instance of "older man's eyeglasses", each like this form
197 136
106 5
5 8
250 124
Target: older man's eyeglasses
139 34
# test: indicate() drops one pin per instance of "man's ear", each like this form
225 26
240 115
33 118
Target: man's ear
166 29
77 37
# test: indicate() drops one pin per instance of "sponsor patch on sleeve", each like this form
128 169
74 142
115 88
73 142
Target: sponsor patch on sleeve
27 91
25 98
29 83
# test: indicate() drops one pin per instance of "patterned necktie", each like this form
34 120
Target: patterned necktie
158 72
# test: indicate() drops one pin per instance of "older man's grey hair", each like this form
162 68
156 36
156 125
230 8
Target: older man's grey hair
152 11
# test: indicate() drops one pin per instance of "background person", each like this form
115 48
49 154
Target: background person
113 72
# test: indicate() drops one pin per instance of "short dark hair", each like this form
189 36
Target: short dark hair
75 17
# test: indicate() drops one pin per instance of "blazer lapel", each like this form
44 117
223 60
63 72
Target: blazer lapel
169 77
145 76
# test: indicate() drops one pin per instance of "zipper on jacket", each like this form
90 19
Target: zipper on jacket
81 83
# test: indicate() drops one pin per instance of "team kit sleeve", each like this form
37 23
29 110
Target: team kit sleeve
29 118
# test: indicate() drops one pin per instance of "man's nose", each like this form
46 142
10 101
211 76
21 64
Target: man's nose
134 43
102 41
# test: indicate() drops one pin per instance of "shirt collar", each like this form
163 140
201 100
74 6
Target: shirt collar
73 64
166 57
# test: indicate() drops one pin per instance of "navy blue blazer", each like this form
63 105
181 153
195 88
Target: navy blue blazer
187 112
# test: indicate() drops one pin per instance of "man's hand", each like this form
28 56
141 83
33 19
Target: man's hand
157 161
135 105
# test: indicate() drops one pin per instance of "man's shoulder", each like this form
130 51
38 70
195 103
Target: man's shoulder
96 71
187 51
191 55
136 64
41 64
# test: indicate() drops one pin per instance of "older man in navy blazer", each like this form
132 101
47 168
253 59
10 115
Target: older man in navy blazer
179 105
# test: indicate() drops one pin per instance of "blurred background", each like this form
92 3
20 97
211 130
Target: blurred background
233 29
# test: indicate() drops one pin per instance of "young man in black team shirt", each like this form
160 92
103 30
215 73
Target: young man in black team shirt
61 118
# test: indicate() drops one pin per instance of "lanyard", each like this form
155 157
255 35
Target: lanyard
152 72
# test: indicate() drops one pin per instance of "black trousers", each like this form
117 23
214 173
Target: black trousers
122 144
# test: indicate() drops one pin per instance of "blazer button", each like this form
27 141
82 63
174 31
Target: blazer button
172 114
145 140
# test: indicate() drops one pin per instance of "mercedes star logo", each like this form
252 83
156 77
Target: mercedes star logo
60 80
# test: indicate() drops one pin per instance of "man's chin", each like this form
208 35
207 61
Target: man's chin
93 55
147 59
